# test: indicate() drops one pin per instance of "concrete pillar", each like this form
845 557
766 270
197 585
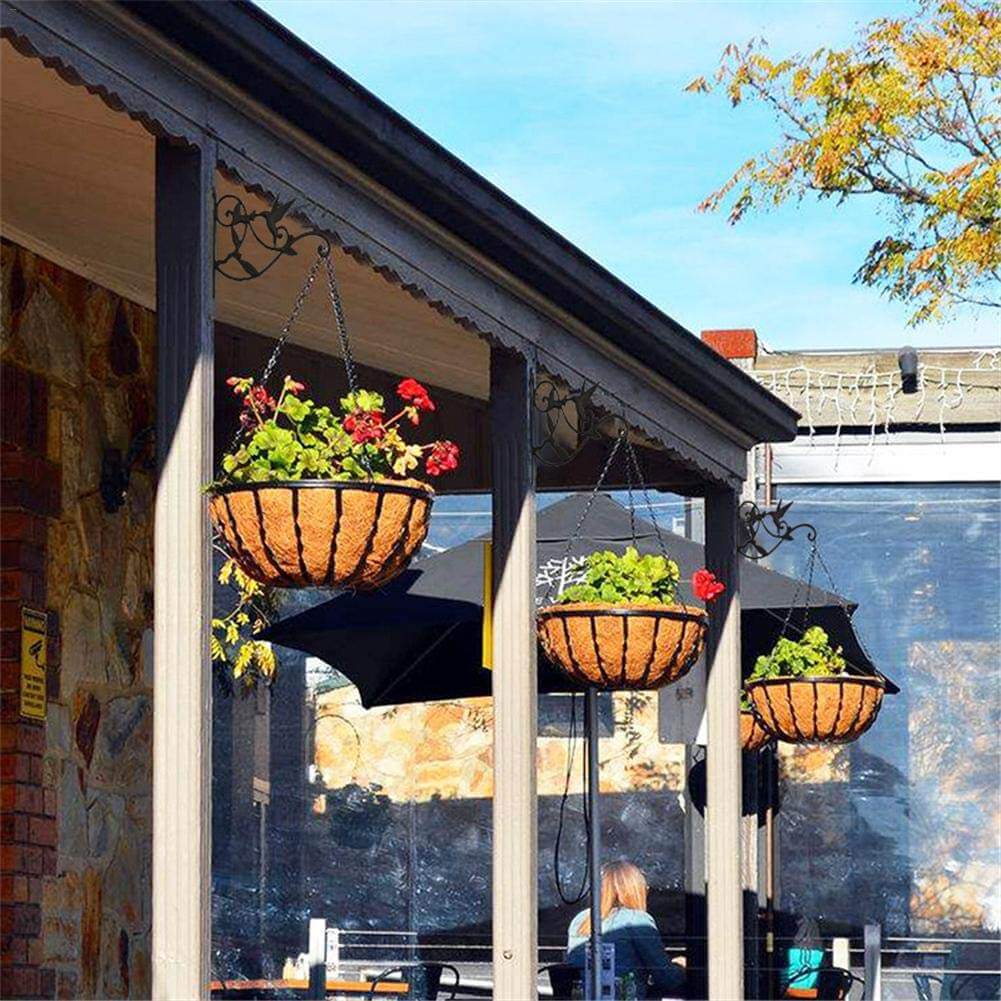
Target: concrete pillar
182 588
515 838
723 756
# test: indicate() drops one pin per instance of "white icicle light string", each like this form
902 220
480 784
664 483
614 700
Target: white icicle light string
875 393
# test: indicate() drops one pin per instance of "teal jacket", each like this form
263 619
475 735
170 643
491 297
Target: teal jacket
638 949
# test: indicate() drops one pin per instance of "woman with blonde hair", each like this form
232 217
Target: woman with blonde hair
626 924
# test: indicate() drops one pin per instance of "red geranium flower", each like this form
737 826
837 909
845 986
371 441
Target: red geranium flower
415 394
257 397
294 387
705 585
365 425
443 458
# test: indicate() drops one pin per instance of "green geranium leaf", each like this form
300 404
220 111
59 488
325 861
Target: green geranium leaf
629 578
812 655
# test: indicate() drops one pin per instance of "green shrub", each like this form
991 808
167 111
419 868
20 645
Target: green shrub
812 656
625 580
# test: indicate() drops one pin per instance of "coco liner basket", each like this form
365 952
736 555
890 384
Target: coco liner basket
318 533
830 709
622 646
753 736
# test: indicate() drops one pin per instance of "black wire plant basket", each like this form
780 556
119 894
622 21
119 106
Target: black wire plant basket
319 533
622 647
833 709
753 735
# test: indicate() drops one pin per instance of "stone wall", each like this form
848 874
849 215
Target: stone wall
444 750
78 377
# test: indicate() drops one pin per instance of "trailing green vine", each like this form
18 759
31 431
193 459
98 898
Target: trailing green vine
240 660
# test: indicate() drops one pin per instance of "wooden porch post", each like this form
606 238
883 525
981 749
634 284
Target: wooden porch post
182 588
723 758
515 842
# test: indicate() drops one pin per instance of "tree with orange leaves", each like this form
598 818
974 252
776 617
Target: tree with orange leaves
909 115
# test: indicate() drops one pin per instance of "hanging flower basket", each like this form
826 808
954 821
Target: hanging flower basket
312 498
622 646
803 694
753 736
618 625
317 533
830 709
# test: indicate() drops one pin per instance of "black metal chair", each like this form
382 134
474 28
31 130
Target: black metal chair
923 985
563 978
424 980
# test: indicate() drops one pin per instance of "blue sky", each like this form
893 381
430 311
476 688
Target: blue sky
577 111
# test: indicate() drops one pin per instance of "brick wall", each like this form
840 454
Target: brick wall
29 497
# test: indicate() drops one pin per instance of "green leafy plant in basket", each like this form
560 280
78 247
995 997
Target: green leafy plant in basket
622 580
811 656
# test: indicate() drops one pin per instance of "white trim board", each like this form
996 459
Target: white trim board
905 457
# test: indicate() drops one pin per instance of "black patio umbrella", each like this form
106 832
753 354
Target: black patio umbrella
419 639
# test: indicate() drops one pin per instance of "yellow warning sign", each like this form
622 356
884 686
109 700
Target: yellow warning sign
33 661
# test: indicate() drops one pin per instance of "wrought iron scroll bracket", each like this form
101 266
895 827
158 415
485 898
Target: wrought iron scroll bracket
568 421
762 530
262 231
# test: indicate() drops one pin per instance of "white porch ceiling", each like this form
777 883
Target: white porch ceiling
77 187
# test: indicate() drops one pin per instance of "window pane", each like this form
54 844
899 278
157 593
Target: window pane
901 827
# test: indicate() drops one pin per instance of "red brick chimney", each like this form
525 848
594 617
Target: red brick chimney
733 344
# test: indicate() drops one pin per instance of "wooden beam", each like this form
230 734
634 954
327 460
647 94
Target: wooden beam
515 836
750 866
723 764
182 588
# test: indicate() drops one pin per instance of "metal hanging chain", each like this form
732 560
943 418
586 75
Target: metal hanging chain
342 336
843 603
283 335
341 324
634 460
300 301
811 565
629 490
575 534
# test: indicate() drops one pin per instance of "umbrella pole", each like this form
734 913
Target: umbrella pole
593 990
